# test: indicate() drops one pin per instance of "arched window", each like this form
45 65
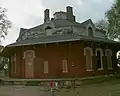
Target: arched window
99 55
108 54
88 53
90 31
48 27
48 30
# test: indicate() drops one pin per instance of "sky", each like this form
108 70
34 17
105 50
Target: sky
30 13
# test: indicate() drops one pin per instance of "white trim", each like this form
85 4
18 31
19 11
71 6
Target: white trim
100 69
109 51
110 68
99 49
88 48
33 52
89 70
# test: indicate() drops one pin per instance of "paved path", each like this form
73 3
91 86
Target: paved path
105 89
23 91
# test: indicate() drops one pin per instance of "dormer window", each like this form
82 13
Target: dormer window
90 31
48 27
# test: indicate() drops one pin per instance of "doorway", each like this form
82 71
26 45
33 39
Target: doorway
29 63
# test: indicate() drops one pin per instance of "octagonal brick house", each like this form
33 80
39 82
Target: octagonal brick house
61 48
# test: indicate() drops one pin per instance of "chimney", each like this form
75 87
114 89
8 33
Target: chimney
46 15
69 10
70 15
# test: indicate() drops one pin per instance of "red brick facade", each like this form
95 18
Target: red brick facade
55 53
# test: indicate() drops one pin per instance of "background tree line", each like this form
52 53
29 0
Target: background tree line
111 23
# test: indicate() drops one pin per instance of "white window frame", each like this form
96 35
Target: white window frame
65 65
90 49
101 55
106 51
46 67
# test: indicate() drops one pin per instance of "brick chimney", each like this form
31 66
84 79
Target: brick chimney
46 15
69 10
70 15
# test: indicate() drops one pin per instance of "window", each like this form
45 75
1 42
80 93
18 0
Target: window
90 31
108 53
64 66
48 27
13 63
45 66
88 54
99 55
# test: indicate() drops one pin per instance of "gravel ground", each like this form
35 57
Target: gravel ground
111 88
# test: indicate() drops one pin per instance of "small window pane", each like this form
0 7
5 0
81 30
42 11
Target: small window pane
45 66
64 66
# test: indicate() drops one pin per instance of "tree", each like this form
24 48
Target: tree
102 24
5 24
113 18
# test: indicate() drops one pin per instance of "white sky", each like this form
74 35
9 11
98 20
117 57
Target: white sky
29 13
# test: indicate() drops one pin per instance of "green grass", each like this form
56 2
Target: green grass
108 88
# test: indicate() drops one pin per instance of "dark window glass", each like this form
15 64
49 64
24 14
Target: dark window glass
98 59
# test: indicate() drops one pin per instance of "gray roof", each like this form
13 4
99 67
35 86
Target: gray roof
60 38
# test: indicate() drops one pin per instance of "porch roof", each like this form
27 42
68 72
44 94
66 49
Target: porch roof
60 38
53 39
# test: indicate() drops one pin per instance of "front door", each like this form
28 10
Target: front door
29 64
29 68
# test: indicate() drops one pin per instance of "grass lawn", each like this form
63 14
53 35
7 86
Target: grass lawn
111 88
108 88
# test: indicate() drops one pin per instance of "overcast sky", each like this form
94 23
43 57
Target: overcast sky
29 13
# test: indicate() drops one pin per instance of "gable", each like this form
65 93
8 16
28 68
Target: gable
88 23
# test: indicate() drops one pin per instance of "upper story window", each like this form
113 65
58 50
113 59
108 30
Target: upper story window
48 27
48 30
90 31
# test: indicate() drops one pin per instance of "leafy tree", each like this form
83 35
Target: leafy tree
113 17
102 24
5 24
